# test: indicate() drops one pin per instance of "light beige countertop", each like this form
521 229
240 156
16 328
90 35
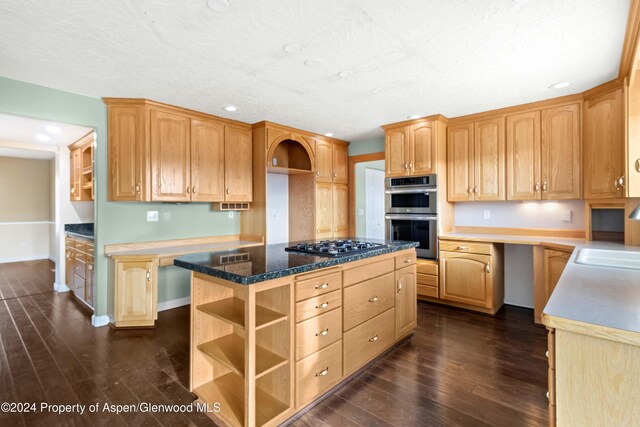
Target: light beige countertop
599 301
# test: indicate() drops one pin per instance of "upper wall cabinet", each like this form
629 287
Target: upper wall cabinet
332 160
81 169
604 147
167 154
523 156
411 150
476 161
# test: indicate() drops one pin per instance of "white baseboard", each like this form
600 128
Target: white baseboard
98 321
23 258
174 303
60 287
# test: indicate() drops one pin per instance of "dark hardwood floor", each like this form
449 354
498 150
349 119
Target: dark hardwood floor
459 368
18 279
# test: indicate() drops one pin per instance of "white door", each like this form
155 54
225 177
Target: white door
374 199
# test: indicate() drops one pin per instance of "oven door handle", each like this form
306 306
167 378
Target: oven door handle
412 217
411 190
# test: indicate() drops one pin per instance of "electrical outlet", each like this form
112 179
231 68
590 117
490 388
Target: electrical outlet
166 216
152 216
360 212
231 214
274 213
565 215
487 214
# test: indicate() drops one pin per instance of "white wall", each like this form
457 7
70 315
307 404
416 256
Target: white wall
360 185
518 259
277 208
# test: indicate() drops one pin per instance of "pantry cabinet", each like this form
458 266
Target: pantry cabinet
162 153
476 161
604 147
411 150
523 156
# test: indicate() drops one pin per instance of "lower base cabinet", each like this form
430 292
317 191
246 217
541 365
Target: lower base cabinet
554 263
406 308
136 293
79 264
318 372
366 341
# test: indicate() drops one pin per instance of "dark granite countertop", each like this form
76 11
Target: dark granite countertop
261 263
82 230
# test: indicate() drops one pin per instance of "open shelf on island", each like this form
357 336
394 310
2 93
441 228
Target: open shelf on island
228 390
232 310
229 351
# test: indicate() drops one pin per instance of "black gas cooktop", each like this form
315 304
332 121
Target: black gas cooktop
335 248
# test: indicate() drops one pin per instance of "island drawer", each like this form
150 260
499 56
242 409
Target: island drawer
318 332
368 271
364 342
317 373
368 299
318 305
318 285
406 259
465 247
427 266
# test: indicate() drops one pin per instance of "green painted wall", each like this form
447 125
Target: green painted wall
366 146
116 222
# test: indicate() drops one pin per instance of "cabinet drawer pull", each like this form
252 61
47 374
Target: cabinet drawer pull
537 187
476 190
470 191
322 306
322 373
322 333
373 338
544 186
407 260
373 299
487 268
546 353
547 395
227 190
137 188
188 189
399 287
149 275
323 286
462 248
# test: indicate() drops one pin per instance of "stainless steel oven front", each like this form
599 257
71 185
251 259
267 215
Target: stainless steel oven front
415 195
415 228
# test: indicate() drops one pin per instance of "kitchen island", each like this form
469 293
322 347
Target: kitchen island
273 332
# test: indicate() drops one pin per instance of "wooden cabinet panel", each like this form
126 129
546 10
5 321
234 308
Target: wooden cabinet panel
460 163
317 373
604 146
318 305
366 341
135 296
324 161
318 332
560 153
340 211
324 210
340 164
396 152
76 174
489 160
368 299
554 264
126 151
523 156
68 267
170 157
422 146
466 278
314 286
406 295
207 161
88 290
238 164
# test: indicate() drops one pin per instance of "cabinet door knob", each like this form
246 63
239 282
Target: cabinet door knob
317 231
537 187
544 186
470 191
411 166
476 190
322 306
318 173
323 333
188 189
323 286
547 353
335 174
373 338
227 190
621 181
322 373
137 188
193 190
149 275
487 268
637 165
399 287
407 260
373 299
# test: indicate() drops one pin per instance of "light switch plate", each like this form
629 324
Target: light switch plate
166 216
360 212
152 216
231 214
565 215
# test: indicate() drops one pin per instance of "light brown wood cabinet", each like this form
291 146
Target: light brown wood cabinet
476 161
340 211
411 150
406 308
604 147
79 267
332 159
555 262
159 152
523 156
472 279
332 210
81 169
135 291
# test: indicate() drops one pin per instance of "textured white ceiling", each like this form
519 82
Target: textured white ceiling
19 129
407 57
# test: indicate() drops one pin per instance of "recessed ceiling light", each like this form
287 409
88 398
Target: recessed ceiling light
53 129
376 90
345 73
291 48
42 137
231 108
560 85
414 116
313 62
329 134
218 5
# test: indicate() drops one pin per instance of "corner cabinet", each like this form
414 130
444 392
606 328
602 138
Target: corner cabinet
159 152
412 149
136 292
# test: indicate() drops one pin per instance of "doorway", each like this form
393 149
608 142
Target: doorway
367 196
